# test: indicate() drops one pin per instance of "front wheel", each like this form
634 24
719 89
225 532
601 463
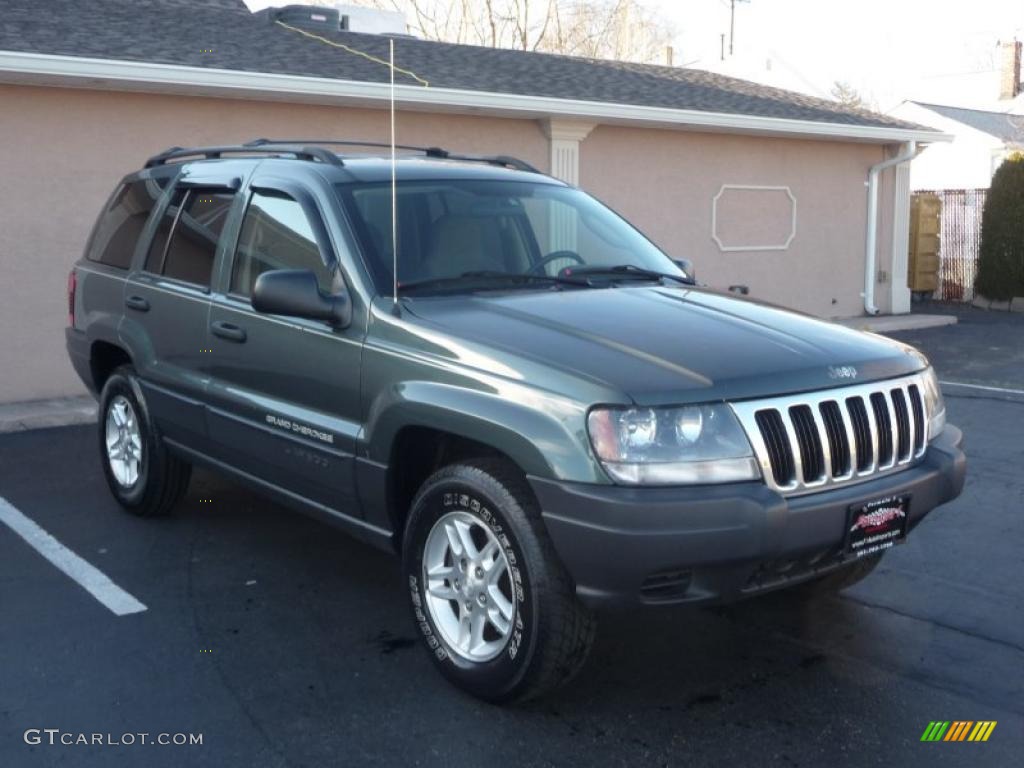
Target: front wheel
496 609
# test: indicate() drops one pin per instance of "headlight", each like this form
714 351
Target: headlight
672 446
934 405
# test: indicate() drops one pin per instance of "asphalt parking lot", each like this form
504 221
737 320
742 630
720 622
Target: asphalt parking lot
284 643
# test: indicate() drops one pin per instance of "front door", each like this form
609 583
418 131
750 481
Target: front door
284 392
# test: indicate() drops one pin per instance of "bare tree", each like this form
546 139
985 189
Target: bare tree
607 29
848 96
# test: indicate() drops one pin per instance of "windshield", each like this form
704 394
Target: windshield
448 228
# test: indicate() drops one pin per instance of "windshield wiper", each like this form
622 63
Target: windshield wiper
627 271
490 278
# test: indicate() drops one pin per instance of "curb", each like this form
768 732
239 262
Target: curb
891 323
1016 304
41 414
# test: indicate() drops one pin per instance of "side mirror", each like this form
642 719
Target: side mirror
687 266
296 293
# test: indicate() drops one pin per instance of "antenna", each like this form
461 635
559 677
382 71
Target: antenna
394 188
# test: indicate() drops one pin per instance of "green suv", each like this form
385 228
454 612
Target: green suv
541 413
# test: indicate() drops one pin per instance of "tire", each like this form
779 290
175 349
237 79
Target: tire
548 631
842 578
146 480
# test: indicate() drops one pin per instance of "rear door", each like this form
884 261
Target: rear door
167 302
284 391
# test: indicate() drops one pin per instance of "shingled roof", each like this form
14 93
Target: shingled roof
1008 128
222 34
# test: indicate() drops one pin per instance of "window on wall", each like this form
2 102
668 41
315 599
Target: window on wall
277 234
194 222
121 224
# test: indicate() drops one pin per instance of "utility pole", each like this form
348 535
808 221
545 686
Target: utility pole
732 22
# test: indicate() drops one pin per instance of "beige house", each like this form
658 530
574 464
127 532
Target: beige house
800 200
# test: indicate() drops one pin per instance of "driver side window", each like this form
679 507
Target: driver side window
276 234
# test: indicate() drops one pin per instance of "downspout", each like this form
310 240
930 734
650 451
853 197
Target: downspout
908 153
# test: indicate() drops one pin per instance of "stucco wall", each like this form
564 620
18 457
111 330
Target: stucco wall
62 151
666 182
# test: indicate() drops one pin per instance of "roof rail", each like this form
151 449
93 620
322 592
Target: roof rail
331 142
506 161
301 152
502 160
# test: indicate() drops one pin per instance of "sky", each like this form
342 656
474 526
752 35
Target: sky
940 51
889 50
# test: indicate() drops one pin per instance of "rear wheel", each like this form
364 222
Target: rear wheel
141 473
496 609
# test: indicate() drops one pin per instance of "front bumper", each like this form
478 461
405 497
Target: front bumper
721 543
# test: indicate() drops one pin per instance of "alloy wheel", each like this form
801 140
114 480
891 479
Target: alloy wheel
469 591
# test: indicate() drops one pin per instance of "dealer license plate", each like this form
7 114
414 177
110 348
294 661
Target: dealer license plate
877 525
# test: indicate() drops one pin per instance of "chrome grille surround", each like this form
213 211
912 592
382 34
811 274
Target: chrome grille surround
904 417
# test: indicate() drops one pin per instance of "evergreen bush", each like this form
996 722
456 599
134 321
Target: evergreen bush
1001 255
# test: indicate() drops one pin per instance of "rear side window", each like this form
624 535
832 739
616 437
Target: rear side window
121 223
276 234
158 246
194 222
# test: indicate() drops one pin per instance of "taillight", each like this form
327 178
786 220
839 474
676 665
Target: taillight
72 287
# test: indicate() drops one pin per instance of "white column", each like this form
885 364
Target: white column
564 137
899 296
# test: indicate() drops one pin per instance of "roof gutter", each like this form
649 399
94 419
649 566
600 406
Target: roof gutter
75 71
908 152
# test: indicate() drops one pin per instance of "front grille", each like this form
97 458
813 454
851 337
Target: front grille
838 436
838 440
899 405
777 445
812 457
917 409
862 432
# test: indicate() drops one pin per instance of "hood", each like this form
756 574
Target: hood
664 345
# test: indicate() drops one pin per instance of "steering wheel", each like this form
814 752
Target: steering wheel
538 268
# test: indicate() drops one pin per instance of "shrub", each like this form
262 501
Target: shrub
1001 256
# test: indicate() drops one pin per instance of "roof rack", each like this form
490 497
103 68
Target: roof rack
301 152
502 160
506 161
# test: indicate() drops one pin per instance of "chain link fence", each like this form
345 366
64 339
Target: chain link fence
959 241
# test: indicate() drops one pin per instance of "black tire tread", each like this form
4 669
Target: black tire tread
167 476
567 628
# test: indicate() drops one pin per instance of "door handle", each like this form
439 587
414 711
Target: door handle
228 331
137 303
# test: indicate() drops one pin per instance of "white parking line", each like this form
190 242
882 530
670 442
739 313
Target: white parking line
89 577
982 386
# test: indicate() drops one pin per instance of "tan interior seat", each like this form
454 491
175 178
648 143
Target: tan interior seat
464 244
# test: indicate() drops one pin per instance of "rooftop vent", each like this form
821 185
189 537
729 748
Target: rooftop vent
313 17
373 21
